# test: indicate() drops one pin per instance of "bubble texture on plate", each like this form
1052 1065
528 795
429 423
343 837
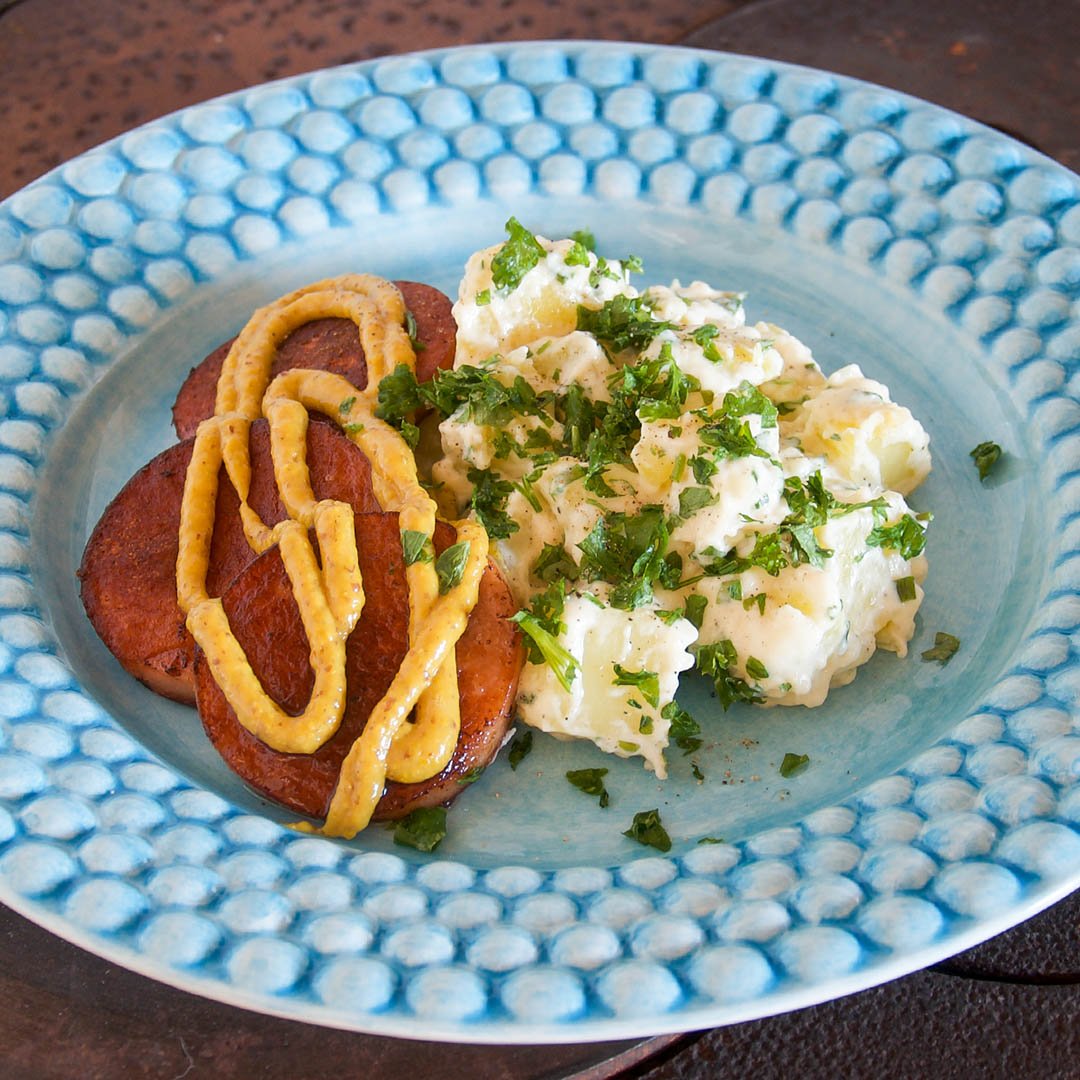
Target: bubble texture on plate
119 853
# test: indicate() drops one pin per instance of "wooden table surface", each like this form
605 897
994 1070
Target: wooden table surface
73 74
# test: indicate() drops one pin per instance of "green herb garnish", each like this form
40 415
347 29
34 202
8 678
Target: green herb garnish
553 563
648 830
756 669
905 536
472 775
630 552
585 238
685 730
695 609
793 764
518 255
622 323
423 829
414 334
591 781
520 748
648 682
986 455
542 624
416 546
943 649
716 661
450 565
489 503
905 588
693 499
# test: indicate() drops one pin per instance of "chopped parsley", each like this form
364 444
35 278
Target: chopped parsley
585 238
695 610
480 396
716 661
399 395
624 322
450 565
795 542
704 336
905 589
986 455
472 776
423 829
489 503
693 499
711 840
793 764
413 331
346 405
685 730
520 748
647 829
518 255
943 649
756 669
905 536
475 391
553 563
578 255
630 552
416 546
542 625
648 682
591 781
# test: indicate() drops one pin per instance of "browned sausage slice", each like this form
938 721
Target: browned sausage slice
266 622
327 345
128 570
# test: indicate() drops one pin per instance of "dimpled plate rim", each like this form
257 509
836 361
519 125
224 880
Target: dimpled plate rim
116 852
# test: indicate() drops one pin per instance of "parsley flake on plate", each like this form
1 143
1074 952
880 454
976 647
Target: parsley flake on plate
793 764
943 649
590 781
423 829
647 829
520 748
986 455
684 730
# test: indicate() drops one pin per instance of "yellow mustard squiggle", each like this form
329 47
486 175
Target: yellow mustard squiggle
330 600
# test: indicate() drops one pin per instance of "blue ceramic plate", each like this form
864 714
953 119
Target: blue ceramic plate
941 804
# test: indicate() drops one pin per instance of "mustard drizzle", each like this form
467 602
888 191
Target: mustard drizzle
330 599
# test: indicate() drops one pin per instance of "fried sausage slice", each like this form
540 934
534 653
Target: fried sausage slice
328 345
128 570
266 622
